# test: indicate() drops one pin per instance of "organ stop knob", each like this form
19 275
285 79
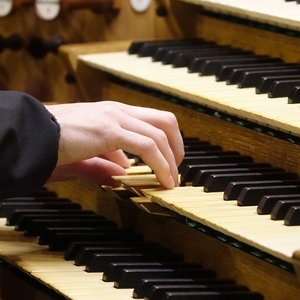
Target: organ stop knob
47 9
8 6
39 48
50 9
5 7
140 5
13 42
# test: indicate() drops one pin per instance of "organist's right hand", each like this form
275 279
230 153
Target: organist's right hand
94 133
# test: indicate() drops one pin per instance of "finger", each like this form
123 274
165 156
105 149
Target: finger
146 148
158 137
118 157
163 120
97 170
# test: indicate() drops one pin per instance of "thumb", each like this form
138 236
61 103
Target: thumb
97 170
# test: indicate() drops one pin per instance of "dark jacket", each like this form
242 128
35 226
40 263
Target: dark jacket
29 137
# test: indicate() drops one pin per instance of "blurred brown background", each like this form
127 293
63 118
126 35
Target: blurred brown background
36 68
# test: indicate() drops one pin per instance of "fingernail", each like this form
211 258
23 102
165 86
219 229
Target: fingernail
170 183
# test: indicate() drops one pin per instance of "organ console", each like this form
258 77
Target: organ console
228 218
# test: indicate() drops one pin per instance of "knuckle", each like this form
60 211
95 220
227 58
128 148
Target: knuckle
170 118
147 144
161 136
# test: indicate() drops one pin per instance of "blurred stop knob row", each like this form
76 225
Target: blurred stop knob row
37 47
50 9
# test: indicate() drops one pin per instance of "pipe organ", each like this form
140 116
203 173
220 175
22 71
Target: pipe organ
232 80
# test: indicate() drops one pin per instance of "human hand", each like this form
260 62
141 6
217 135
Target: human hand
93 133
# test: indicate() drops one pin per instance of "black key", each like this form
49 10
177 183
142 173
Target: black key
213 296
100 261
149 47
195 142
43 192
23 219
267 203
210 153
236 75
18 214
169 56
8 207
211 66
214 160
170 51
114 270
197 64
51 233
136 46
224 66
264 84
184 59
74 248
294 96
144 285
202 148
251 78
34 199
202 176
217 58
36 227
129 278
60 240
234 189
158 291
223 73
292 217
252 195
282 88
281 208
189 172
166 54
192 142
219 182
86 254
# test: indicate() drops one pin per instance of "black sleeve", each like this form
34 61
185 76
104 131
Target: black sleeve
29 137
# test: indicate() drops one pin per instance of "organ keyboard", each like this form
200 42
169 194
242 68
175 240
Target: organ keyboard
105 255
277 12
237 102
